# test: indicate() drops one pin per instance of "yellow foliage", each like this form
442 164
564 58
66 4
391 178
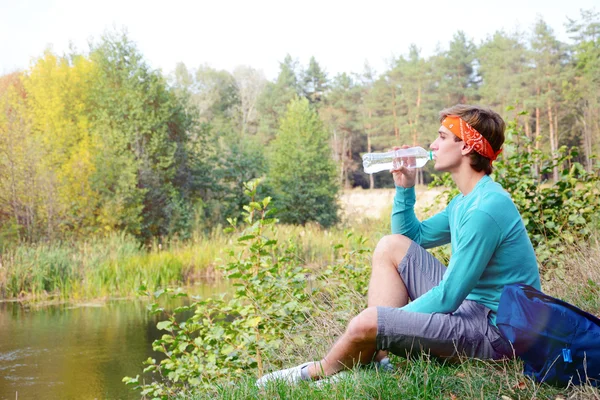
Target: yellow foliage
18 155
58 98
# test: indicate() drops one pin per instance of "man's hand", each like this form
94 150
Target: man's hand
404 177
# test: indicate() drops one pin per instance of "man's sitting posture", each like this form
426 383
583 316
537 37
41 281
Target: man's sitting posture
415 303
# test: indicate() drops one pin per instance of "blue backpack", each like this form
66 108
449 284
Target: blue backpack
558 343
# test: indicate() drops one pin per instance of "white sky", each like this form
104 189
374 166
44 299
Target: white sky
341 35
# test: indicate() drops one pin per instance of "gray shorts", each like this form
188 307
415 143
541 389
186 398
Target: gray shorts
465 332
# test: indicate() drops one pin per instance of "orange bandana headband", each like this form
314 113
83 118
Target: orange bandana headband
470 136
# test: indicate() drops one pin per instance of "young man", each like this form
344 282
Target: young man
452 310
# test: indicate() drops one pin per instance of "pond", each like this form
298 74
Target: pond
77 351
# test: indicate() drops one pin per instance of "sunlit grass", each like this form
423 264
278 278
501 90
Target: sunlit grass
109 267
117 265
420 378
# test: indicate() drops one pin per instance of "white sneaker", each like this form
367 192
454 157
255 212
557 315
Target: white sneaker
290 376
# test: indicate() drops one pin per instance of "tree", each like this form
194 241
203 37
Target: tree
238 161
250 83
19 164
412 77
182 78
341 115
549 57
58 96
301 171
379 122
275 97
456 71
367 109
503 68
585 94
217 97
144 132
315 82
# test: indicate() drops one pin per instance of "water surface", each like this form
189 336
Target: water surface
76 351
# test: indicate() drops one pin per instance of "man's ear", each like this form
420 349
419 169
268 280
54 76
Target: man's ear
466 149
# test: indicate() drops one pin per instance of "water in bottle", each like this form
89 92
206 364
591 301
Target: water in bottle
413 157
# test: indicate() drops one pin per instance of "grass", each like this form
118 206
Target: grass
580 284
423 378
109 267
117 265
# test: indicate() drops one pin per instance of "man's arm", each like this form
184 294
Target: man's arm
479 236
432 232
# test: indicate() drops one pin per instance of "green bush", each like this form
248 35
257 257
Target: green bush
274 298
223 337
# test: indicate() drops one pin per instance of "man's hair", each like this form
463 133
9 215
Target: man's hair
485 121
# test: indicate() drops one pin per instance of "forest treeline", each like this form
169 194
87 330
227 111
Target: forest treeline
99 142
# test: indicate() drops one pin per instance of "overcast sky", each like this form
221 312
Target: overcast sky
342 35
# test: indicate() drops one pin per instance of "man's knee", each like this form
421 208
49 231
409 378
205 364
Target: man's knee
393 246
363 327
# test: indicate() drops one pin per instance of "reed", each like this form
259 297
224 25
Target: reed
117 265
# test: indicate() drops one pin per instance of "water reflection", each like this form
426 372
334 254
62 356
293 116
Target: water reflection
76 352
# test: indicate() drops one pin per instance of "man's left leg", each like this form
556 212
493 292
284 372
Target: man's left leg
356 345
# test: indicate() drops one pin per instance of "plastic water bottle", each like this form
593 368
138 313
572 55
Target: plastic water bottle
413 157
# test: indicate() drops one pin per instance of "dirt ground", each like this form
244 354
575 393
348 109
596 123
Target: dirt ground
364 203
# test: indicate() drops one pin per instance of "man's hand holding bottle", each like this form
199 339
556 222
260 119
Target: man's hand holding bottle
404 176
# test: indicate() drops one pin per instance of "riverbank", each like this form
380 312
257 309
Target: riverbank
344 257
422 378
116 266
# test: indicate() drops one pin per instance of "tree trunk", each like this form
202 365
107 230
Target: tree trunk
348 162
342 155
553 144
338 153
419 171
587 141
594 129
528 132
396 130
538 138
371 179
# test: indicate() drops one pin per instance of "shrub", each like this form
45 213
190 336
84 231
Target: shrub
274 300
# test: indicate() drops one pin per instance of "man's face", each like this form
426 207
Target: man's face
448 153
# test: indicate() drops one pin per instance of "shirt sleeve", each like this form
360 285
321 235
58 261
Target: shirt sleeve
479 236
432 232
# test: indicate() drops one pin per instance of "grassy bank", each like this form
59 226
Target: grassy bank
423 378
107 267
419 379
116 266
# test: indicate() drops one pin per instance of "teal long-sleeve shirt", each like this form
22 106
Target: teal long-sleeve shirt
490 246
